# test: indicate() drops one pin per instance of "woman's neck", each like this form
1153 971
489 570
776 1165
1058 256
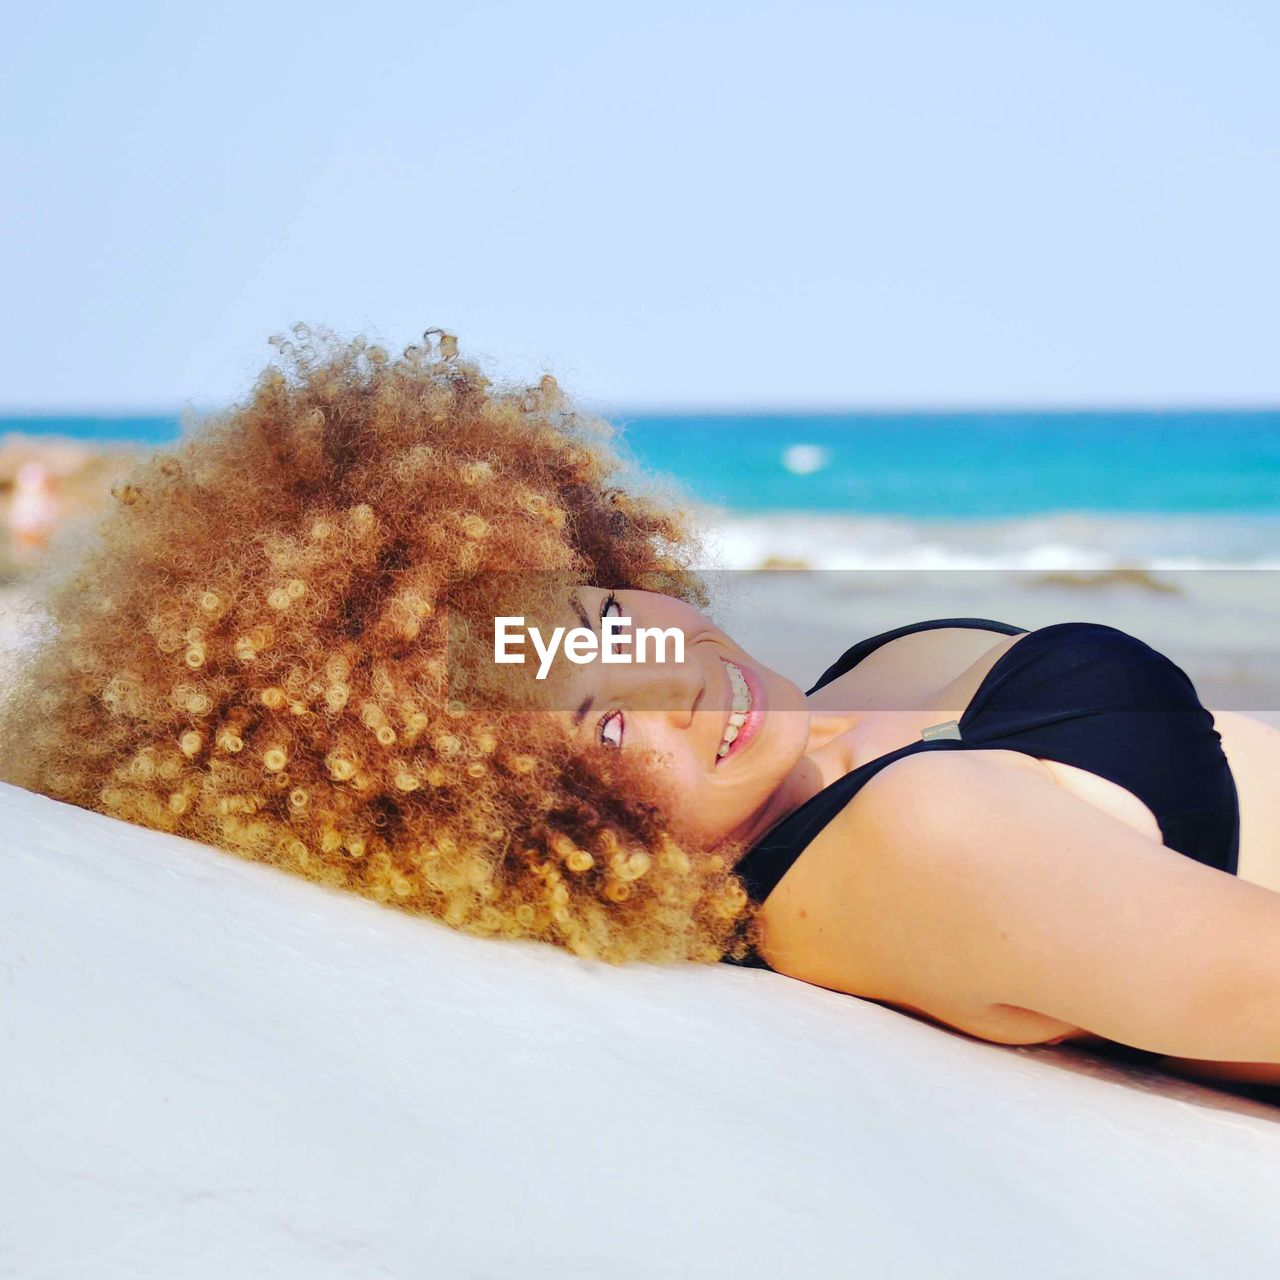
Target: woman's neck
828 755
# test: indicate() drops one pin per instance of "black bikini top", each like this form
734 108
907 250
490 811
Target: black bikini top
1079 693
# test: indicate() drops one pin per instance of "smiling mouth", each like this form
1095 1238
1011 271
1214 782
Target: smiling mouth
735 735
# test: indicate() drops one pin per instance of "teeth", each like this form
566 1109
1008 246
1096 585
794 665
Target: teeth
739 707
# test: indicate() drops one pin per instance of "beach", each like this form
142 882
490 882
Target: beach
76 475
349 954
1218 623
1198 580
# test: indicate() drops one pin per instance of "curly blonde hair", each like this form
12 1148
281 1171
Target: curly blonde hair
279 641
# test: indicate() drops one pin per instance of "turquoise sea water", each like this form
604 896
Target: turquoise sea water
956 466
95 429
973 464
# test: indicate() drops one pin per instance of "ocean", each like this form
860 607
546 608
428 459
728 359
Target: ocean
972 465
1078 490
1166 524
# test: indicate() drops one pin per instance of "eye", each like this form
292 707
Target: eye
613 722
611 602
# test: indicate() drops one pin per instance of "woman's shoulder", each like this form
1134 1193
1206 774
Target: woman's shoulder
836 890
907 798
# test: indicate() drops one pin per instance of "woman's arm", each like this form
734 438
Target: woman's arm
965 883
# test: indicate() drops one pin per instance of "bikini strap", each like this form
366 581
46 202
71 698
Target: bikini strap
764 865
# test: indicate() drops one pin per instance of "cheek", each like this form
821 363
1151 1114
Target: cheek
703 811
681 792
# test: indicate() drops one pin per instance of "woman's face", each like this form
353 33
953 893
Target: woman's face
682 711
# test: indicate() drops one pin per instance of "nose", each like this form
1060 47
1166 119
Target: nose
668 688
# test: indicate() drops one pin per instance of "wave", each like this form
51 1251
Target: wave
1067 542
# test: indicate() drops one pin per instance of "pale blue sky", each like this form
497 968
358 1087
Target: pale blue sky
666 204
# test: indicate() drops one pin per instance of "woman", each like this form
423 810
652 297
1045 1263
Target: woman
280 641
982 824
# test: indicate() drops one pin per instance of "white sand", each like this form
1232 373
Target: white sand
213 1069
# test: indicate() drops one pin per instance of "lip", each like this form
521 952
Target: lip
755 717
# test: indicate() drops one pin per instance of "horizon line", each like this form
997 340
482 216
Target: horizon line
713 410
